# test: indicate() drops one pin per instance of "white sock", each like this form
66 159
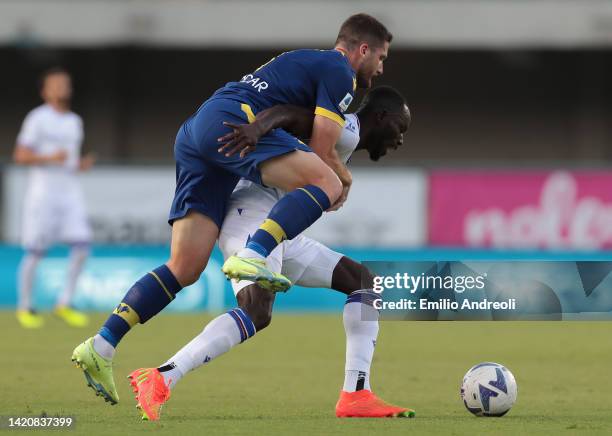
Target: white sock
361 327
218 337
78 255
103 347
171 373
249 254
353 378
27 272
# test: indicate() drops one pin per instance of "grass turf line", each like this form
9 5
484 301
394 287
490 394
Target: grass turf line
287 378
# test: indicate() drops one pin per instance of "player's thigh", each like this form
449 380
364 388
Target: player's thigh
75 224
200 185
193 238
208 125
280 160
309 263
197 211
237 226
294 170
41 223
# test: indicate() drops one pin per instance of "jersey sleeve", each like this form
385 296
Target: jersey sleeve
349 138
28 134
335 93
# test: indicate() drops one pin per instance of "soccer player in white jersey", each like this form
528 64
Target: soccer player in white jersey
54 211
376 127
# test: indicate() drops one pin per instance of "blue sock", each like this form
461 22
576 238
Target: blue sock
244 323
289 217
144 300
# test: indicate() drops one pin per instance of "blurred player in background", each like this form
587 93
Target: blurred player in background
376 127
54 209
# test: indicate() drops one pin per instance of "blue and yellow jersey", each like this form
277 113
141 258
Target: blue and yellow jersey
319 79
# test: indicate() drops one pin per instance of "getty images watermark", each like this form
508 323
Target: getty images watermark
491 290
458 284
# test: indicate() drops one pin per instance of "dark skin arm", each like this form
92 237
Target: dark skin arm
243 137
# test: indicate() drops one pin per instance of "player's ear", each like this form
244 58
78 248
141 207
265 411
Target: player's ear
363 48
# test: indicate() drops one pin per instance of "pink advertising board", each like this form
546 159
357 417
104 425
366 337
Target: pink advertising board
521 209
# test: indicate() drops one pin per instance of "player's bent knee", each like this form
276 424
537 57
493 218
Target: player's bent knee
325 179
193 238
350 276
185 272
257 303
330 184
299 169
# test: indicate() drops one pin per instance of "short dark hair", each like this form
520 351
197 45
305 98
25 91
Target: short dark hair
363 27
384 98
50 72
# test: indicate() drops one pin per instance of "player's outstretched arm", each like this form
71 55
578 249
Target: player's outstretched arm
243 137
26 156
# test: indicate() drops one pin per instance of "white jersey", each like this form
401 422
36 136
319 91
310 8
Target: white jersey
54 208
47 131
304 261
249 195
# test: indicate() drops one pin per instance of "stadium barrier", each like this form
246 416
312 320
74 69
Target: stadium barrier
111 270
392 212
130 205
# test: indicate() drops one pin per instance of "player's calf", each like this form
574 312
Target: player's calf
349 276
193 238
360 319
218 337
145 299
258 303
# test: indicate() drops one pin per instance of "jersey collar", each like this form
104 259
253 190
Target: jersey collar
344 53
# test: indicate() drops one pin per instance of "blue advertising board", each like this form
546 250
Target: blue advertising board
111 270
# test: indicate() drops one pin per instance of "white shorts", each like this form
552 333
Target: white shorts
51 219
302 260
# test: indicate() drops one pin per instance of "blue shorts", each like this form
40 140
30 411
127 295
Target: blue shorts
206 178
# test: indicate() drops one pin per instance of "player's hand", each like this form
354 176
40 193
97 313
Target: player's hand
346 178
341 200
87 162
58 157
243 138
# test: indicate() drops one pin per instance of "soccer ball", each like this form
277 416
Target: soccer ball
488 389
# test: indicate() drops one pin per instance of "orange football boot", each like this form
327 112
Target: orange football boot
364 404
151 392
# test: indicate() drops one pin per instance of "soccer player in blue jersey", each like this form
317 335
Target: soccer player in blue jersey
376 127
321 80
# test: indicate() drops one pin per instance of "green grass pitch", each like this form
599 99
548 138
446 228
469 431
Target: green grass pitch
287 378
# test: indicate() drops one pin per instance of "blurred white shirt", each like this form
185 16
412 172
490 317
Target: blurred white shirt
47 131
53 207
